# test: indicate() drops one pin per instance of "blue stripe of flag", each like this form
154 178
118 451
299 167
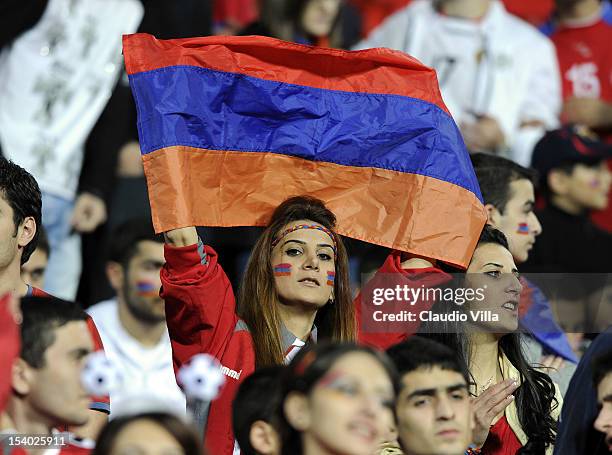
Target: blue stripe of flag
202 108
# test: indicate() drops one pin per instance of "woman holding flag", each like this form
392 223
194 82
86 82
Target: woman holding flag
295 291
227 126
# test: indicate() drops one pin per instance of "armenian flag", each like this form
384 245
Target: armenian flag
230 127
536 318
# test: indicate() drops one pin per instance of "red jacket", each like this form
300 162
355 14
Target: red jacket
201 318
383 335
10 345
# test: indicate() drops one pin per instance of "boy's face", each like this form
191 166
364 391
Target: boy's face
586 187
56 394
33 271
434 412
518 221
143 282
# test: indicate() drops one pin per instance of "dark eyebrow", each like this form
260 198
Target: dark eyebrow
494 264
422 392
296 241
79 353
321 245
432 392
456 387
607 398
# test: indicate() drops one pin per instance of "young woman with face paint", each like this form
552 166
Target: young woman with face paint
516 406
295 291
337 399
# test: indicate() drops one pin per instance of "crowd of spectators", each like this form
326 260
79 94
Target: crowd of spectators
530 86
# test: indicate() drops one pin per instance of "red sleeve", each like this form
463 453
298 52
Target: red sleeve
97 403
200 303
10 346
36 292
383 334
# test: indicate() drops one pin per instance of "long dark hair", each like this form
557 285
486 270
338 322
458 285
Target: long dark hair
306 369
283 19
535 398
186 436
258 298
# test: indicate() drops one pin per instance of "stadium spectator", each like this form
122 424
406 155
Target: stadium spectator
297 274
255 418
491 347
33 271
336 399
327 23
502 97
508 192
575 180
133 325
20 215
576 433
148 434
46 378
73 58
580 30
433 408
602 377
112 164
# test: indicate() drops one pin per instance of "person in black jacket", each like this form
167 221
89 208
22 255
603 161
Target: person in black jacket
575 180
576 434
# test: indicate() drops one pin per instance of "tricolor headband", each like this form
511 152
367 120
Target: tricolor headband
305 226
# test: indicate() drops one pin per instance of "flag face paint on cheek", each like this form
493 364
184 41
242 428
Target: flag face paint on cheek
282 270
146 289
523 228
331 277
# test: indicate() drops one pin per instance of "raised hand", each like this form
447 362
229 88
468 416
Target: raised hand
489 404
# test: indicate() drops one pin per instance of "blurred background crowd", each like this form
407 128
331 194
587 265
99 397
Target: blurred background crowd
526 81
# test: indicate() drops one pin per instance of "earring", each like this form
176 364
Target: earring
331 298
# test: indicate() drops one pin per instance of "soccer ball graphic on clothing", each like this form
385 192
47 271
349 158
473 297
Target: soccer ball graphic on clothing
99 376
201 378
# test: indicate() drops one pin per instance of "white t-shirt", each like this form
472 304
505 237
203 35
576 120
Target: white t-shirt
498 66
55 80
146 372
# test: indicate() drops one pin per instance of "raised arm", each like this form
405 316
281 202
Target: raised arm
200 303
181 236
378 298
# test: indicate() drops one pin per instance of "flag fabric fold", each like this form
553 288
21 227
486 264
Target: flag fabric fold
229 127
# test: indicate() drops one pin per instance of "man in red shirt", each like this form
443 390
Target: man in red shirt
20 215
582 32
46 390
